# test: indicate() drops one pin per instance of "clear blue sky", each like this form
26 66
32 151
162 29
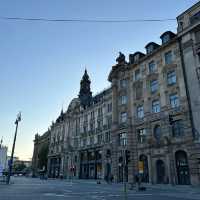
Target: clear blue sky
42 63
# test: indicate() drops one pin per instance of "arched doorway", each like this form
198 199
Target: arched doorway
145 175
107 170
160 168
120 170
182 168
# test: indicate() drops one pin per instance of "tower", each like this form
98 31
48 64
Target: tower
85 94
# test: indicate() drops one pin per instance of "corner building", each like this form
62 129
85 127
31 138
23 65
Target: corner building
146 123
151 118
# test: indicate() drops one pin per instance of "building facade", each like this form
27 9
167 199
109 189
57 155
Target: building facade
40 153
146 122
3 158
156 129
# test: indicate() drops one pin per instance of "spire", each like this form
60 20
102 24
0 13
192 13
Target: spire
61 112
85 93
85 77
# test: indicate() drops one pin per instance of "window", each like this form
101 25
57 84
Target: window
91 140
154 85
174 100
100 112
75 142
155 106
92 115
123 100
152 67
141 135
123 117
110 107
109 121
122 139
85 118
168 57
123 83
107 136
137 75
140 112
84 141
177 128
157 132
99 139
99 124
165 38
150 48
85 129
88 140
91 126
95 139
139 91
171 78
195 18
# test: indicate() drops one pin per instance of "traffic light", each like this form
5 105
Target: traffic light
128 156
171 120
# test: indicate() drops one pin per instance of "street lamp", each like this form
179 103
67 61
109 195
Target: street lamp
13 148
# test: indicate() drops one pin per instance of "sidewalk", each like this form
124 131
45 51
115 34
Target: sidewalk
160 187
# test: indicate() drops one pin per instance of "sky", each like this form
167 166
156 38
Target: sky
42 62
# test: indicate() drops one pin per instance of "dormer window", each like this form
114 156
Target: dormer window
165 39
150 47
195 18
135 57
167 36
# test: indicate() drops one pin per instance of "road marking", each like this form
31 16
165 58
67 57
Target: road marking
137 194
67 190
54 194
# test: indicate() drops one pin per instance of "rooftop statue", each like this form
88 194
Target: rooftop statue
121 58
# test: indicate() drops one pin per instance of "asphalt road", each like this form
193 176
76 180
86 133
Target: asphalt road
35 189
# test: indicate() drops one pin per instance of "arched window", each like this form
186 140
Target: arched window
157 132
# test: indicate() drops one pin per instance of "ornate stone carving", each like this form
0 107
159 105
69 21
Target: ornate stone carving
121 59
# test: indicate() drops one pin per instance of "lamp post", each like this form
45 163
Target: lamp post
13 148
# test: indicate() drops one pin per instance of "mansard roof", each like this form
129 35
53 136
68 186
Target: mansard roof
170 33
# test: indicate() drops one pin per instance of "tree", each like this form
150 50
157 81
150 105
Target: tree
43 156
18 167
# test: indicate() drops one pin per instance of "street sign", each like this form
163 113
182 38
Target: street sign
141 167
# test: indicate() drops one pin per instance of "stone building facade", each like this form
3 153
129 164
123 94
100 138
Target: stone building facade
40 145
146 122
157 127
3 157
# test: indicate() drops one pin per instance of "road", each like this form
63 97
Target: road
35 189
